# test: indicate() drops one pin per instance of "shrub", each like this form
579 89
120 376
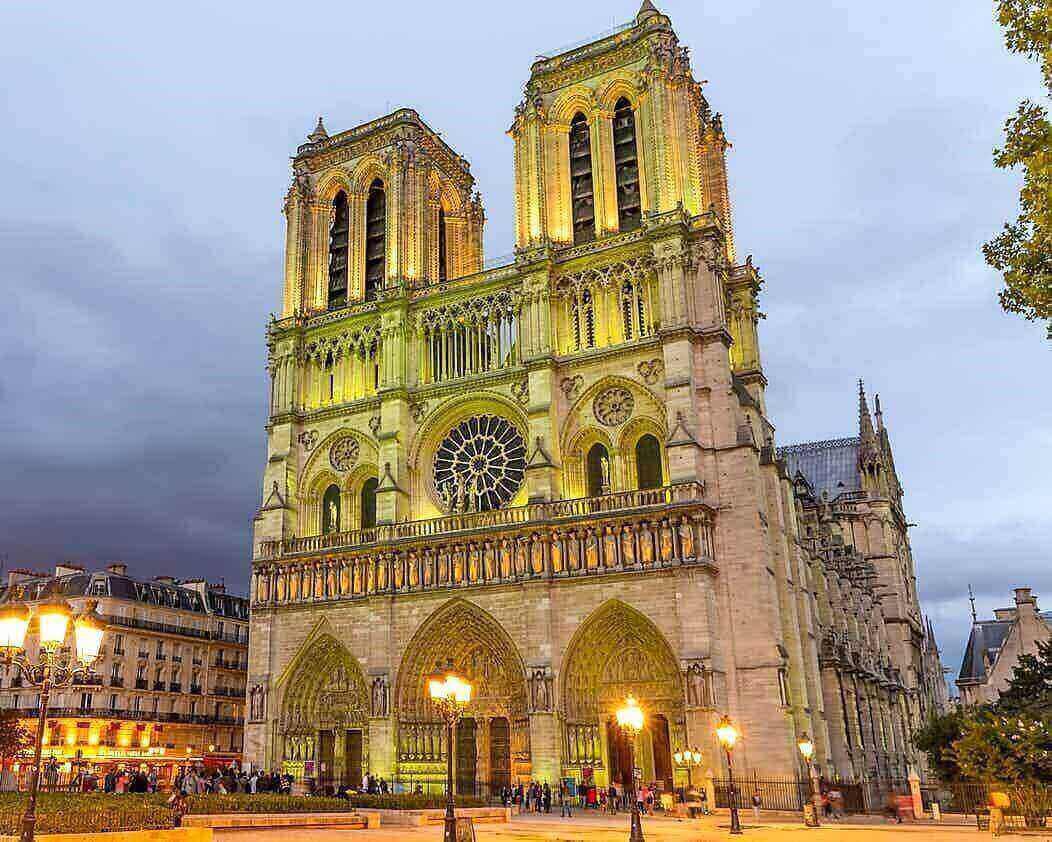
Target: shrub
268 802
60 812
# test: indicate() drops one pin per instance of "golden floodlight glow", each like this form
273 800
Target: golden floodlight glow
806 746
53 617
727 733
447 686
14 621
630 716
88 630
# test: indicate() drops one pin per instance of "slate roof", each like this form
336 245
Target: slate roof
985 641
830 466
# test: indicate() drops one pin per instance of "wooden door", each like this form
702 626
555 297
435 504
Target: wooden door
465 758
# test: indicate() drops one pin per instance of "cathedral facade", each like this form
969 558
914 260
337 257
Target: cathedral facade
558 472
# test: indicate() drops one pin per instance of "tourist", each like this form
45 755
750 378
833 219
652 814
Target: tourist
612 797
703 796
836 804
566 799
756 803
547 797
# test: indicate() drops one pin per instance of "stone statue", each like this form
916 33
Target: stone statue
334 517
604 468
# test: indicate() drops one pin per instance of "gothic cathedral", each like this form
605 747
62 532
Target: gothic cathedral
558 472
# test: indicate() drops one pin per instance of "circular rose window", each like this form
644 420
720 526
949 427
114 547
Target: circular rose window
480 464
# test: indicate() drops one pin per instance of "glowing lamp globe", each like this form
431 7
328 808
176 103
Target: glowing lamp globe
14 621
726 733
630 717
88 630
806 746
53 618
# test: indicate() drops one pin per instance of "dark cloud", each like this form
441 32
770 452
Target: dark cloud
145 157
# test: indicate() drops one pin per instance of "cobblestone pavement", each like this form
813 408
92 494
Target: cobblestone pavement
532 828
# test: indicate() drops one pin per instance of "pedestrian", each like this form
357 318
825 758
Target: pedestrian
565 800
836 804
611 799
547 796
756 802
703 796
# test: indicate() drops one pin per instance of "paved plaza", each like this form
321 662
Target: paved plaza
531 828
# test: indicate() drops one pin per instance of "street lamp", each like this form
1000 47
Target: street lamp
53 666
630 721
728 736
807 749
689 757
450 694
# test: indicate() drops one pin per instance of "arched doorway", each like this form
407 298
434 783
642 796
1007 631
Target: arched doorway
597 470
324 714
618 651
492 742
367 501
648 462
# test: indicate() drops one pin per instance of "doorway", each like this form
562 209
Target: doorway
620 754
662 749
499 753
352 759
465 758
326 755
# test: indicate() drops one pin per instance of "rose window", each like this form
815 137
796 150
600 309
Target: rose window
614 406
344 453
480 464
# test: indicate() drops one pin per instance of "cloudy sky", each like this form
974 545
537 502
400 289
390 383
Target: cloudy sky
144 156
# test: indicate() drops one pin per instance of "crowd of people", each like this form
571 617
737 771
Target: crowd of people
538 797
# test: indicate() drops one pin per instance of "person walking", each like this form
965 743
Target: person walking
565 800
756 804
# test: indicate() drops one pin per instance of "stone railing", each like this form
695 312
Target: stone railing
497 518
638 530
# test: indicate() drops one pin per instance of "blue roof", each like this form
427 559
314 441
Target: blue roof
830 466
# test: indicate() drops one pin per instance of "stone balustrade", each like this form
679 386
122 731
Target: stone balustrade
640 530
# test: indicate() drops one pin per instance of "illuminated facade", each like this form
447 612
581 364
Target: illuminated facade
171 676
557 472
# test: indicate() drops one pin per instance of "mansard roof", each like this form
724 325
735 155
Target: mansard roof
829 466
985 641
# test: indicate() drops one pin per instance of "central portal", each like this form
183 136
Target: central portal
352 759
499 753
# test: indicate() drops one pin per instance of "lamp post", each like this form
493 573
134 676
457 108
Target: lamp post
689 757
450 694
630 721
807 749
728 736
53 666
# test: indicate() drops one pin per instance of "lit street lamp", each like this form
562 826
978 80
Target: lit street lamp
450 694
728 736
54 666
807 749
689 757
630 721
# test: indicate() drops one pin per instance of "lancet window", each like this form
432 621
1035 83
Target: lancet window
582 192
338 238
607 305
469 337
626 166
375 239
442 274
648 462
342 368
582 319
633 309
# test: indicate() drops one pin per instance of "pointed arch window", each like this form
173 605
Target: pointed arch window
597 469
626 166
648 462
338 238
330 510
582 319
582 193
367 500
633 309
375 239
441 245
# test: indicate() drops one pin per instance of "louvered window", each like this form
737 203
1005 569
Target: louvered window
338 234
626 166
441 245
581 189
375 239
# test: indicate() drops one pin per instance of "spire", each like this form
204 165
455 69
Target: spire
865 423
877 416
319 132
971 599
647 10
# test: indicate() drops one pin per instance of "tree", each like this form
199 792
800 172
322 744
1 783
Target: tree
13 735
1030 688
936 737
1022 252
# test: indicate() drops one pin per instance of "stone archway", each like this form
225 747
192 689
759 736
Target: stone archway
324 713
616 652
482 651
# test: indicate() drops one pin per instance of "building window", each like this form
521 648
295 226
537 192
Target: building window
634 310
85 701
113 701
368 503
330 510
597 466
626 166
648 462
582 319
118 644
441 245
338 238
375 239
582 198
783 687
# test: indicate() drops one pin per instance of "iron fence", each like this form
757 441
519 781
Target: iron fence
785 794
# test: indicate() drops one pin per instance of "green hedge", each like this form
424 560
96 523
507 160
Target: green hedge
268 802
59 812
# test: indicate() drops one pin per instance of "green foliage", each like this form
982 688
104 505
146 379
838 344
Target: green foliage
1030 688
1010 751
935 739
60 812
267 802
1022 252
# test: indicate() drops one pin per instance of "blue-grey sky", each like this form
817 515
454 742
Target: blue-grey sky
144 157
